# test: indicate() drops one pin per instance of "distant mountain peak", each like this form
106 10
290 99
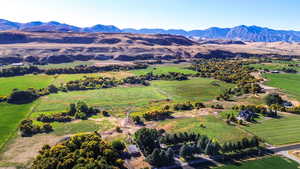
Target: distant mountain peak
241 32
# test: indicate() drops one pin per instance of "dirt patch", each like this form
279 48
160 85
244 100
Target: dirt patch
112 62
138 162
25 149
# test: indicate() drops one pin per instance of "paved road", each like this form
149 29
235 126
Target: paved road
285 148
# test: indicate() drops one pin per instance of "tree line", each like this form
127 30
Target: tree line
23 70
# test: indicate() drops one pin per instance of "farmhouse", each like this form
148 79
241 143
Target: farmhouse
246 115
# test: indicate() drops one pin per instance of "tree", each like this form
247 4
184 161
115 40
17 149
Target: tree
52 89
72 109
118 145
273 98
147 139
47 128
185 151
170 155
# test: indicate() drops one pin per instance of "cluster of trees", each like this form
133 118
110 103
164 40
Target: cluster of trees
80 110
27 128
183 106
273 98
22 97
238 146
80 151
93 69
22 70
230 71
88 83
158 146
178 138
188 106
289 70
157 114
19 71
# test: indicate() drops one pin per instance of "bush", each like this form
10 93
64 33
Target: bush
183 106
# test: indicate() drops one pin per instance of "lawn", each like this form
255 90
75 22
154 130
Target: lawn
163 69
274 162
280 131
11 115
7 84
122 99
214 128
82 126
289 83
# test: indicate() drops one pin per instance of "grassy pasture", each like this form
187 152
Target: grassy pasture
162 69
284 130
197 89
7 84
214 128
11 115
276 65
289 83
274 162
135 98
116 99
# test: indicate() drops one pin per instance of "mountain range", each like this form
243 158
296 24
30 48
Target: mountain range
242 32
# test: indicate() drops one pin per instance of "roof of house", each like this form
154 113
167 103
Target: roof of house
133 149
246 113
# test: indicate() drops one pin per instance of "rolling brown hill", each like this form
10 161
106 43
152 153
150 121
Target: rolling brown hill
55 47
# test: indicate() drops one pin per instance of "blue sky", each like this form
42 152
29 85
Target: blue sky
179 14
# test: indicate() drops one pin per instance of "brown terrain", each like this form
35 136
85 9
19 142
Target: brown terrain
53 47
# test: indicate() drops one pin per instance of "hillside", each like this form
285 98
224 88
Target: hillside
54 47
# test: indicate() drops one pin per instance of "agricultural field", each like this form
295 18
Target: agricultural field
274 162
11 115
289 83
213 127
7 84
283 130
163 69
134 98
197 89
276 65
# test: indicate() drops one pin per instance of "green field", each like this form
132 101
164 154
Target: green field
274 162
121 99
82 126
164 69
289 83
24 82
11 115
279 131
275 65
198 89
214 128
